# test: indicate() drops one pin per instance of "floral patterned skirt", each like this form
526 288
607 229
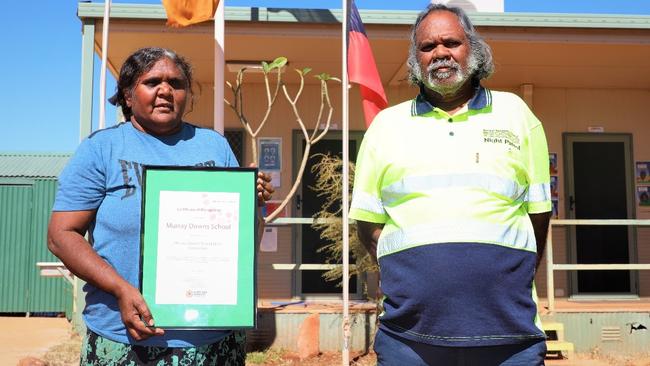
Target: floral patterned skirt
99 351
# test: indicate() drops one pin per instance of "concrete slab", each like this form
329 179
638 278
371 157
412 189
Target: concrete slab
23 337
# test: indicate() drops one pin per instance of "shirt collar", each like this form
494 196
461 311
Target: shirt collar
482 98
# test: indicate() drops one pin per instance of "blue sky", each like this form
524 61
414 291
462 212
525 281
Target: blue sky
41 60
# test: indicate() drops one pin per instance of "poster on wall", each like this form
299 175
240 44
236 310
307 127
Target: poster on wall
269 241
552 160
643 196
642 172
272 205
555 214
554 187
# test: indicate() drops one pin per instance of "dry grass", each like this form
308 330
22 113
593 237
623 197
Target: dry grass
64 354
67 354
264 357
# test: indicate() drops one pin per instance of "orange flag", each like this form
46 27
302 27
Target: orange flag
181 13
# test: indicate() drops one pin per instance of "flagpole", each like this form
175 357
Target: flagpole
219 63
344 205
102 79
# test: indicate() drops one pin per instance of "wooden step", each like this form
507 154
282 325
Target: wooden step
553 326
554 331
559 348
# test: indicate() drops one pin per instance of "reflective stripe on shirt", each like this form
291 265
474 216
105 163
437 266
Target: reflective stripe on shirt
539 192
417 184
451 231
363 201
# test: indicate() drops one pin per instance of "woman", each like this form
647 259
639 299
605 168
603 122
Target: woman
100 192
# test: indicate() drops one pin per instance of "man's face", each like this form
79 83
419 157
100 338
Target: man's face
443 53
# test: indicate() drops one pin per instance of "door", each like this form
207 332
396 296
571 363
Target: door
599 185
310 283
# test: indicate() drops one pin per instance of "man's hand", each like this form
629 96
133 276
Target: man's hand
540 226
135 314
368 233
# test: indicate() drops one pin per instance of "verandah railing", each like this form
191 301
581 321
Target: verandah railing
551 267
288 221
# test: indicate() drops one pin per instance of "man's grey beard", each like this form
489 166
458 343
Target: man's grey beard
448 87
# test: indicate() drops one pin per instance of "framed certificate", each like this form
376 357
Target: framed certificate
198 264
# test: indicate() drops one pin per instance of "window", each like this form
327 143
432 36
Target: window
235 139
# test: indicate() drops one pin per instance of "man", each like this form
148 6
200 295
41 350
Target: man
452 196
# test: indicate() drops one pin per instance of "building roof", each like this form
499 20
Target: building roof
387 17
36 165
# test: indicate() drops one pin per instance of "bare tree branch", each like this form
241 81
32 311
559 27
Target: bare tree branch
237 106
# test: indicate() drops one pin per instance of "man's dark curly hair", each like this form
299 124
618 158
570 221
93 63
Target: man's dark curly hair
139 63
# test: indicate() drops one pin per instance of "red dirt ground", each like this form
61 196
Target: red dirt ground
33 337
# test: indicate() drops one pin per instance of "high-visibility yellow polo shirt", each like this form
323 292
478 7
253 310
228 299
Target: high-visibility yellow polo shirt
454 194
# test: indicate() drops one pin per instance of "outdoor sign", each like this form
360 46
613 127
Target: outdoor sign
270 150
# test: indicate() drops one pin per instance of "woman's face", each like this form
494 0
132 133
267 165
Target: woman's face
158 99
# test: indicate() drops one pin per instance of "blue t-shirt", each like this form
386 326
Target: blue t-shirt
105 174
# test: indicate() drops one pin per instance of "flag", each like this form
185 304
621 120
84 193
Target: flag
181 13
362 69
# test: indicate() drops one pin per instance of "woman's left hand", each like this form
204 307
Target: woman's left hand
264 188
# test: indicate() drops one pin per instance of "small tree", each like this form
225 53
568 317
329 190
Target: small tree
318 131
329 184
237 104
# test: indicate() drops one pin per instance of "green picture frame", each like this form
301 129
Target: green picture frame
198 246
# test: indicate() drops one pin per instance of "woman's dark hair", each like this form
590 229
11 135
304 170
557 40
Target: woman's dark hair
137 64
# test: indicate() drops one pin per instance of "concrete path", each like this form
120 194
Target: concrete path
22 337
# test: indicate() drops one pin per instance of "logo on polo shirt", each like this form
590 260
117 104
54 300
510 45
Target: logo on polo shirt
501 137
